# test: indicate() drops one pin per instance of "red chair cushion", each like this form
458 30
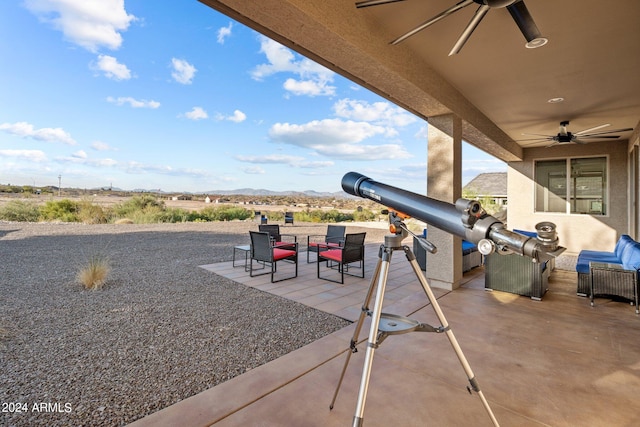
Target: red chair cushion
279 254
333 254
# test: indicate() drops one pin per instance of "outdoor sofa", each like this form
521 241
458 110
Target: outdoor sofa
610 273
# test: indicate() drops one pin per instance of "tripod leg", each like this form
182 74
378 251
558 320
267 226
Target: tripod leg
356 333
373 337
449 333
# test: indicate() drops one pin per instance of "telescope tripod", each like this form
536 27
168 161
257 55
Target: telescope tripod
384 324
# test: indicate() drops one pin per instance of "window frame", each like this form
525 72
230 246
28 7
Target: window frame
571 198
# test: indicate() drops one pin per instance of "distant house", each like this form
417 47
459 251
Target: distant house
491 186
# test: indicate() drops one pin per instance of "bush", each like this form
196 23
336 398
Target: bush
137 204
364 215
60 210
332 215
89 213
94 274
17 210
221 213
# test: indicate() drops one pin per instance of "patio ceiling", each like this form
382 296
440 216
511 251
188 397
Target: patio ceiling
499 88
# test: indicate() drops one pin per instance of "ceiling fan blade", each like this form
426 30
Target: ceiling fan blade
582 132
600 136
537 134
548 138
521 15
597 134
480 13
433 20
368 3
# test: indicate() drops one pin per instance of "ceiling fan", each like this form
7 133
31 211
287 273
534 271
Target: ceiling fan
566 137
517 8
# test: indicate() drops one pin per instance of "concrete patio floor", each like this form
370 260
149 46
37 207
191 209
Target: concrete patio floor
555 362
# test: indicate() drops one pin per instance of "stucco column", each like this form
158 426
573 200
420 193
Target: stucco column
444 182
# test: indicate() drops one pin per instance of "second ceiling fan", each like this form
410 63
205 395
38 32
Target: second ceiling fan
516 8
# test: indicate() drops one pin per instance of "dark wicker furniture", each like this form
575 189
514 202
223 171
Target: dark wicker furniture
610 273
516 274
350 252
334 238
265 254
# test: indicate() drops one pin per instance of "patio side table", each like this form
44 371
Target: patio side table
241 248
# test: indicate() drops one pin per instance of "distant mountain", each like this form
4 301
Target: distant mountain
263 192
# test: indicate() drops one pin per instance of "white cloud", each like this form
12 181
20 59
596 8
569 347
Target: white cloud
111 68
135 103
26 130
197 113
271 159
327 131
313 78
224 32
80 154
237 117
254 170
285 159
87 23
101 146
336 138
383 113
183 72
32 155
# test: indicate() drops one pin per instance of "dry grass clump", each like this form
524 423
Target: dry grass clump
93 275
124 221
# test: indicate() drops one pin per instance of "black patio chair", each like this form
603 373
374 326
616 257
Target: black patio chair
351 251
288 218
263 252
333 239
276 236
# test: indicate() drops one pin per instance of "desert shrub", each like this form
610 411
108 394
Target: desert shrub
89 213
221 213
173 215
364 215
93 274
60 210
147 215
318 215
137 204
18 210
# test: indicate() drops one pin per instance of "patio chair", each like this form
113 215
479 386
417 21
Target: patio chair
333 238
288 218
276 236
351 251
263 252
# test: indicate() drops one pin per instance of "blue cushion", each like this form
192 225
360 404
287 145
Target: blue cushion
587 256
468 247
624 241
631 257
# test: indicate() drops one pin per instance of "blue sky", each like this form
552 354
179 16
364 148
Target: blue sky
175 96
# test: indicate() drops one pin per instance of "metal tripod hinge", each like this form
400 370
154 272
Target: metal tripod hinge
384 325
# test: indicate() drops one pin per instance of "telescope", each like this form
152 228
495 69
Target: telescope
466 219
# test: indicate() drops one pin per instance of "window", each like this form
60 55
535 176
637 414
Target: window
576 186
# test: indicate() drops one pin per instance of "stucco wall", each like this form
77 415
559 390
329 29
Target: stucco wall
576 232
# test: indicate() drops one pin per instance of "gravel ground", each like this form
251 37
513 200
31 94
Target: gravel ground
159 331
